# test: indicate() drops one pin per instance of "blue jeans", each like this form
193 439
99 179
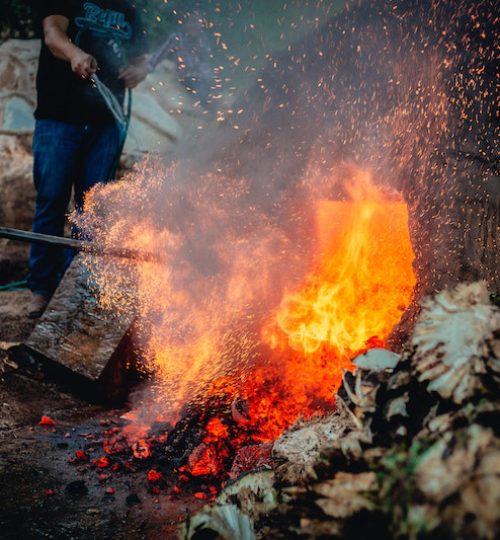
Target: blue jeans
65 156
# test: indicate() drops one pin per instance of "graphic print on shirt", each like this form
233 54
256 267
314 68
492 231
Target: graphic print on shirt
105 33
107 22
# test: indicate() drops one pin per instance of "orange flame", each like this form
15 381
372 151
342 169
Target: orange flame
363 280
354 295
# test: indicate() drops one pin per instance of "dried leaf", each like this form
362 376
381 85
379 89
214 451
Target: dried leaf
226 521
346 494
377 359
450 337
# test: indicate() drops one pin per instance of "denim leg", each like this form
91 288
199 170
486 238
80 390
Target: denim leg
100 153
102 144
56 152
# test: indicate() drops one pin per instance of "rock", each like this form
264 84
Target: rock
18 60
17 192
18 64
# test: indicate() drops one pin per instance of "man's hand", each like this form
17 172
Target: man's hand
83 64
54 33
135 72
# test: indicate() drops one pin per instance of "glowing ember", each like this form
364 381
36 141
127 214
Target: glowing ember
46 421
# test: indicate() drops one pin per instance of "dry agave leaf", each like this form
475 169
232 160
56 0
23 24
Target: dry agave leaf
314 528
474 511
397 407
226 521
421 519
441 423
399 379
361 392
346 494
304 444
493 353
253 493
447 465
450 337
352 444
377 359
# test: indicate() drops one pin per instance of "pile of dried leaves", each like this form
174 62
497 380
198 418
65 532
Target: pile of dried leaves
411 450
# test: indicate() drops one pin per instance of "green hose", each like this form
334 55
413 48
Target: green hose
14 286
124 133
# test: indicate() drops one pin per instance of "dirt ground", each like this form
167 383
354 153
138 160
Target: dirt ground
44 495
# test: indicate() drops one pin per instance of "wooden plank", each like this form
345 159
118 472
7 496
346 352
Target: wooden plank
75 331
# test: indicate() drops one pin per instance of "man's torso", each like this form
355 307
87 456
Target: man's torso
110 31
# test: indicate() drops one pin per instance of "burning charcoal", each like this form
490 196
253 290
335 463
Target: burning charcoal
46 421
102 462
77 488
81 455
240 412
154 476
251 457
451 338
187 435
132 499
141 449
204 461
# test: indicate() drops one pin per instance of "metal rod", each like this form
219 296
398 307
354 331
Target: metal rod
73 243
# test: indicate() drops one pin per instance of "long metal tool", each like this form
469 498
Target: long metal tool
79 245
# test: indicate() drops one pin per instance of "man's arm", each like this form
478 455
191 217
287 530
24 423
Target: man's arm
59 44
135 72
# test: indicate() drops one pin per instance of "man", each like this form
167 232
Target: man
77 140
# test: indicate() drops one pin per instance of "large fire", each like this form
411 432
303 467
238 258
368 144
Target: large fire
252 372
353 296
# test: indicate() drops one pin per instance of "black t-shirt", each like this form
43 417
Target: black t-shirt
109 30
